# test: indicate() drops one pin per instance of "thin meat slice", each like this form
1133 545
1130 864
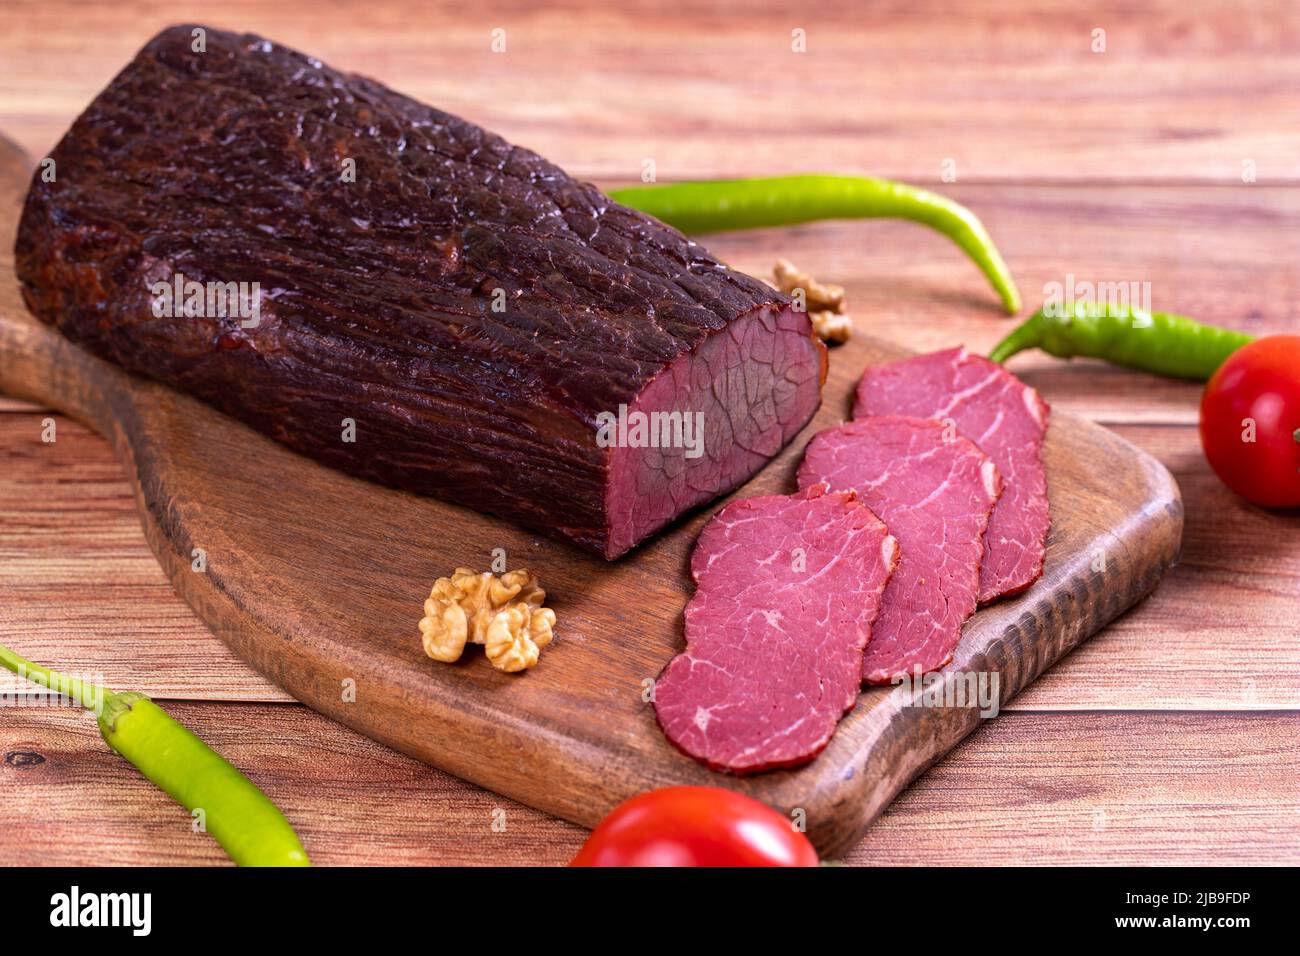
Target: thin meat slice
1007 420
787 589
934 490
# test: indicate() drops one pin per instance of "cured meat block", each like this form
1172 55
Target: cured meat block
1007 420
934 491
787 589
403 295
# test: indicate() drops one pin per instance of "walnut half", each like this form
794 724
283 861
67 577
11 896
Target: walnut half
824 302
504 613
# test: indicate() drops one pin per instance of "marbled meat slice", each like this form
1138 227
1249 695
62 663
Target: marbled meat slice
1007 420
934 490
787 589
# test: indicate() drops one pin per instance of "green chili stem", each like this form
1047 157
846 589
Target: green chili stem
1159 342
1026 335
85 694
238 815
721 205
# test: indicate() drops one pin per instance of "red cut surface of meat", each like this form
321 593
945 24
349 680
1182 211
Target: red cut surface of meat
787 589
1008 421
934 490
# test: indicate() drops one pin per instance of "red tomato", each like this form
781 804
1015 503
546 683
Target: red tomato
1255 395
695 826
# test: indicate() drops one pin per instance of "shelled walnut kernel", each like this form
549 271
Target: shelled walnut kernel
503 613
824 302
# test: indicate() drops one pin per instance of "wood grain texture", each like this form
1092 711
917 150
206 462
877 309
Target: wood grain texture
351 800
1004 91
80 588
1221 632
78 584
1124 788
1188 90
1227 614
317 580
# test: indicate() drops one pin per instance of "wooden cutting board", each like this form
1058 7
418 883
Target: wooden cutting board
318 581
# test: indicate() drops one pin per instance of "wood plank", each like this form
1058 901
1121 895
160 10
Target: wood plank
353 802
1001 91
1124 788
1234 551
1221 630
8 404
316 602
322 596
1104 789
1218 634
79 587
1008 92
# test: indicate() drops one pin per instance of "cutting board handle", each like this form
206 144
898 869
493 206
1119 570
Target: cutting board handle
40 365
318 580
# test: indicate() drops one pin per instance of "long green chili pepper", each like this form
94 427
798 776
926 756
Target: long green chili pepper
1159 342
721 205
249 827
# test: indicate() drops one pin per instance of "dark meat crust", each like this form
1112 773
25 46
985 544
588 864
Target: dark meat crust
377 295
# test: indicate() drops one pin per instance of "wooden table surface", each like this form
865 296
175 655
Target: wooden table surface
1170 158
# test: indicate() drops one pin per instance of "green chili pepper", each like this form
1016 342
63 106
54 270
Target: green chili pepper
249 827
1159 342
721 205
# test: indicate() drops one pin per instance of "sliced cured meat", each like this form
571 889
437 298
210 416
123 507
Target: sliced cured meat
1003 416
787 588
478 316
934 490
